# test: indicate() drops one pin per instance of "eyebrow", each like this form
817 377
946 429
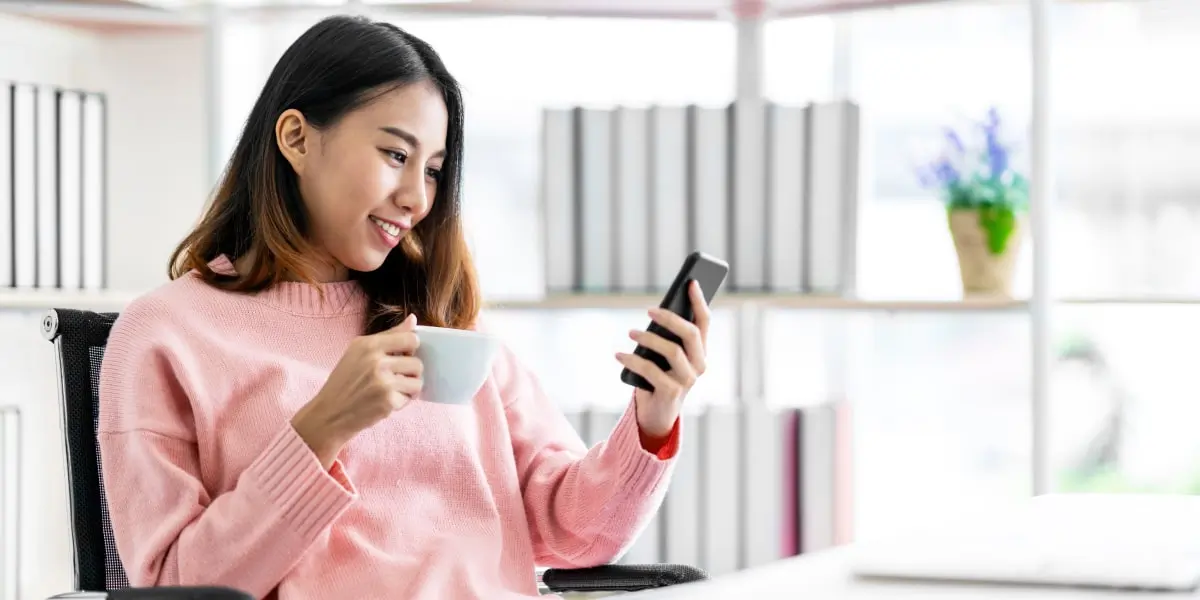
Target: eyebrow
410 138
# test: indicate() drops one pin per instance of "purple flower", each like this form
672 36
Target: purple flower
955 142
996 153
972 163
946 173
939 173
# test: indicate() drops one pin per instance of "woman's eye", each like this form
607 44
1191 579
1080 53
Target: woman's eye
434 174
399 157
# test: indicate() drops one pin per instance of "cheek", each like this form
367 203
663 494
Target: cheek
357 185
431 196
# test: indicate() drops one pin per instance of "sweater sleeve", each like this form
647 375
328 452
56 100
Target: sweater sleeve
168 528
584 507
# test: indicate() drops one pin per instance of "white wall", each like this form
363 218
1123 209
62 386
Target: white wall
35 51
155 83
157 149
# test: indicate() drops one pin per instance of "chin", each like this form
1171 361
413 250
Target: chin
365 262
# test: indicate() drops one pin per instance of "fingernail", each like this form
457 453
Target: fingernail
633 333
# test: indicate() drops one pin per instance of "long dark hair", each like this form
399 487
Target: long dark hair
335 67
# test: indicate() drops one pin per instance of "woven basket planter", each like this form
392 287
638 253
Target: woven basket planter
984 273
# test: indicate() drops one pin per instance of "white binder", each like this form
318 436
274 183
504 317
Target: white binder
595 198
558 199
681 514
11 520
48 270
93 192
70 189
709 178
816 451
25 183
786 183
748 206
669 187
833 157
631 150
7 198
719 441
765 491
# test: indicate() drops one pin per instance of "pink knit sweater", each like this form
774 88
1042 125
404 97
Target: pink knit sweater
209 484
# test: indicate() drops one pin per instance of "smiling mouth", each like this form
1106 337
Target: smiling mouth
388 228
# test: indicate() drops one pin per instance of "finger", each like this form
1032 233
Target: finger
397 341
688 332
408 385
663 384
681 367
408 324
404 365
701 310
400 400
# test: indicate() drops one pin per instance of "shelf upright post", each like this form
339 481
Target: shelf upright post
749 18
1040 208
215 28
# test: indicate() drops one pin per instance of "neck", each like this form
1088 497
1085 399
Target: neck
330 270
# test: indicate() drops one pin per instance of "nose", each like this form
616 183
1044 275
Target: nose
411 195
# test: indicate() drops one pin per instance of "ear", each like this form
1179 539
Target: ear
293 135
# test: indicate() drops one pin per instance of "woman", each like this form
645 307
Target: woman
257 426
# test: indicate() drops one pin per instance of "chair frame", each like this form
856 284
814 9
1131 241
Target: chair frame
86 329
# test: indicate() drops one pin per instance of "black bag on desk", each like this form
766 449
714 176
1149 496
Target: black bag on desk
160 593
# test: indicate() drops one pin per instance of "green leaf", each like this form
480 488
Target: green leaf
998 221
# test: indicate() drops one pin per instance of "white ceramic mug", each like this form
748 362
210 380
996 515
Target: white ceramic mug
456 363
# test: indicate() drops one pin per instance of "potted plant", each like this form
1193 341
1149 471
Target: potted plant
987 202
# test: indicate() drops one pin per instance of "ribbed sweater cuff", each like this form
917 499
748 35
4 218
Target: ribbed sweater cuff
301 493
640 471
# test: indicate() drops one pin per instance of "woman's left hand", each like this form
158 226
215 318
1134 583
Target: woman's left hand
657 411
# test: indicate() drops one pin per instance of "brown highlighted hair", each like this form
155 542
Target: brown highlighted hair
337 66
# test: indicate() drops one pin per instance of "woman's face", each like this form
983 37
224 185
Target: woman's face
371 177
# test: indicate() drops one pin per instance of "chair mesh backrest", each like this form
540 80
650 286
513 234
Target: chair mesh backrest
79 339
114 572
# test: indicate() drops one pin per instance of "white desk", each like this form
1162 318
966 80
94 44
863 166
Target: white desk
826 576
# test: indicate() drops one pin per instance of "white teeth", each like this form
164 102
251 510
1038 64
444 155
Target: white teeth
388 228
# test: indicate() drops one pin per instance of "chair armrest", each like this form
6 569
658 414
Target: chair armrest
160 593
620 578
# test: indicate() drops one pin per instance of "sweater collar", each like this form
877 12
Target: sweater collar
324 299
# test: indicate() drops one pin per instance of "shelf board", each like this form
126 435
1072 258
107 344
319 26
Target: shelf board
130 15
1132 301
733 300
31 300
115 301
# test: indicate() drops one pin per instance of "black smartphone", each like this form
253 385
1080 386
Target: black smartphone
709 272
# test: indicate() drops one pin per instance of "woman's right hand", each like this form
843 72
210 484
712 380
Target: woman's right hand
376 376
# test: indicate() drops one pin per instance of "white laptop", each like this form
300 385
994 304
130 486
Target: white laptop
1109 541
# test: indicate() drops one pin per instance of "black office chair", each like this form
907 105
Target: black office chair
79 339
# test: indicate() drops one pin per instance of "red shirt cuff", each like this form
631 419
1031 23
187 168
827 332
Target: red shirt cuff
666 447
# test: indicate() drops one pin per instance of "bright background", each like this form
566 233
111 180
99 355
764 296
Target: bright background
941 398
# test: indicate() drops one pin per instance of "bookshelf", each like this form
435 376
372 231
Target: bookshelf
185 14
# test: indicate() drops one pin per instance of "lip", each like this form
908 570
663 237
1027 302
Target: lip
389 240
402 226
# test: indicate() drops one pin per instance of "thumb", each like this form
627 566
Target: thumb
409 322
